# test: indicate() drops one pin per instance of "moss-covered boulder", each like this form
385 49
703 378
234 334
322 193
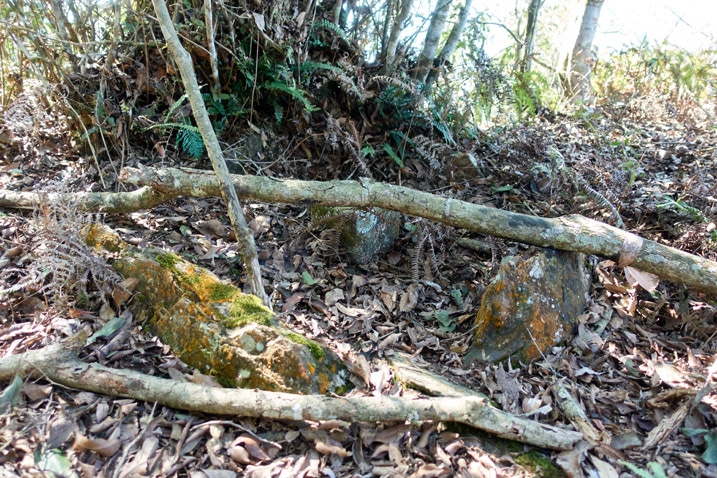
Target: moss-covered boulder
214 327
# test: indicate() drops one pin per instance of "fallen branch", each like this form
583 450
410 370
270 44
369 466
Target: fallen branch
568 233
61 366
244 236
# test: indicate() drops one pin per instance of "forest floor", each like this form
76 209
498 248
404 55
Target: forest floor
649 352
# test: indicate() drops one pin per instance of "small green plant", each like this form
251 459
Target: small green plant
308 280
655 470
222 107
457 294
188 137
710 454
680 206
190 140
446 323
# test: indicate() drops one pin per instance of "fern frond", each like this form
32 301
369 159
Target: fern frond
190 140
389 80
309 67
294 92
174 106
429 150
62 264
327 25
444 129
347 84
392 153
581 184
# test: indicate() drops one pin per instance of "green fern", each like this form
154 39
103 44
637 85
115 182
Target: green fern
309 67
323 23
190 140
295 92
392 153
174 106
656 470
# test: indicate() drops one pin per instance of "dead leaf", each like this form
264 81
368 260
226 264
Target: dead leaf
100 446
213 228
326 449
252 446
646 280
409 298
333 296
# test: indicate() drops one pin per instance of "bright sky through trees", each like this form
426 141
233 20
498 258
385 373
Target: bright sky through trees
690 24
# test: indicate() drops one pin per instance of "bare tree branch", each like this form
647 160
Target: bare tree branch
61 366
568 233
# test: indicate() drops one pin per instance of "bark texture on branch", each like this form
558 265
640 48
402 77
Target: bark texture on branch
245 238
61 366
569 233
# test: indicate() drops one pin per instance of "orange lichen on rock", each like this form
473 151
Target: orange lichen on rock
530 306
214 327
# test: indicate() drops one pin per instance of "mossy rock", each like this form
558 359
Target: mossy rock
364 233
217 329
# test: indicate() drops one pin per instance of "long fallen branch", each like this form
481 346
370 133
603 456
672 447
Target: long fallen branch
569 233
61 366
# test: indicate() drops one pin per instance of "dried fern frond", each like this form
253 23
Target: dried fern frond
581 184
429 150
389 80
350 140
430 239
63 266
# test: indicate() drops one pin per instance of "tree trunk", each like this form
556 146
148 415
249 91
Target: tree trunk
245 238
583 58
433 37
404 9
529 44
451 42
61 366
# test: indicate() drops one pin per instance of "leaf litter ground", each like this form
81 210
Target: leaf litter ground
639 357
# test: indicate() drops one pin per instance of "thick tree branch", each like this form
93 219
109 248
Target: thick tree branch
569 233
62 367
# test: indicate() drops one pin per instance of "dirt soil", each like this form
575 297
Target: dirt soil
640 356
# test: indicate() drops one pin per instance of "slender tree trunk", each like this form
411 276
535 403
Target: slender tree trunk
433 37
404 9
583 58
533 11
244 236
451 42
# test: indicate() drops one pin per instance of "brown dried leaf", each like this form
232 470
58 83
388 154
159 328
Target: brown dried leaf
646 280
409 298
34 391
326 449
100 446
251 445
239 454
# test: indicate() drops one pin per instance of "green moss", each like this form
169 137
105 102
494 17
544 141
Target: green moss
226 382
248 308
541 465
313 347
168 261
191 279
220 291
